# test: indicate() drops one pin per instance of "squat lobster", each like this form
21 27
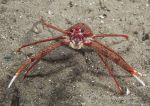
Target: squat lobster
78 36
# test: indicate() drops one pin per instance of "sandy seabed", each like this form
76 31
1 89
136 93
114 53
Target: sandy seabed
68 77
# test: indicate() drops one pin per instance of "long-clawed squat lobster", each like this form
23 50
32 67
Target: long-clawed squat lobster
77 36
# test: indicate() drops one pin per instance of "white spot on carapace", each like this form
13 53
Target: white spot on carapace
74 46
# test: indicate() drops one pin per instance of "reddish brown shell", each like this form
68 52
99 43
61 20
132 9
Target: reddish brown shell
85 28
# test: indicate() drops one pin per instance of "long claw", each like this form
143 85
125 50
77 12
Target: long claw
36 59
127 91
31 66
139 80
12 80
140 73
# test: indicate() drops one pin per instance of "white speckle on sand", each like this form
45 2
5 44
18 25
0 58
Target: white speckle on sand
3 36
49 12
31 47
83 104
92 3
39 68
92 81
102 21
20 16
101 16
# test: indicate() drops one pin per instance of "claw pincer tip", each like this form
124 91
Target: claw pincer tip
12 80
139 80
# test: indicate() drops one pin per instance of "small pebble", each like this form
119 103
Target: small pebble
3 37
37 28
39 68
7 58
101 16
93 81
49 12
102 21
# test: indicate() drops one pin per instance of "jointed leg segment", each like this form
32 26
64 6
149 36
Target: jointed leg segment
40 41
52 27
103 60
31 66
34 60
111 35
107 53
